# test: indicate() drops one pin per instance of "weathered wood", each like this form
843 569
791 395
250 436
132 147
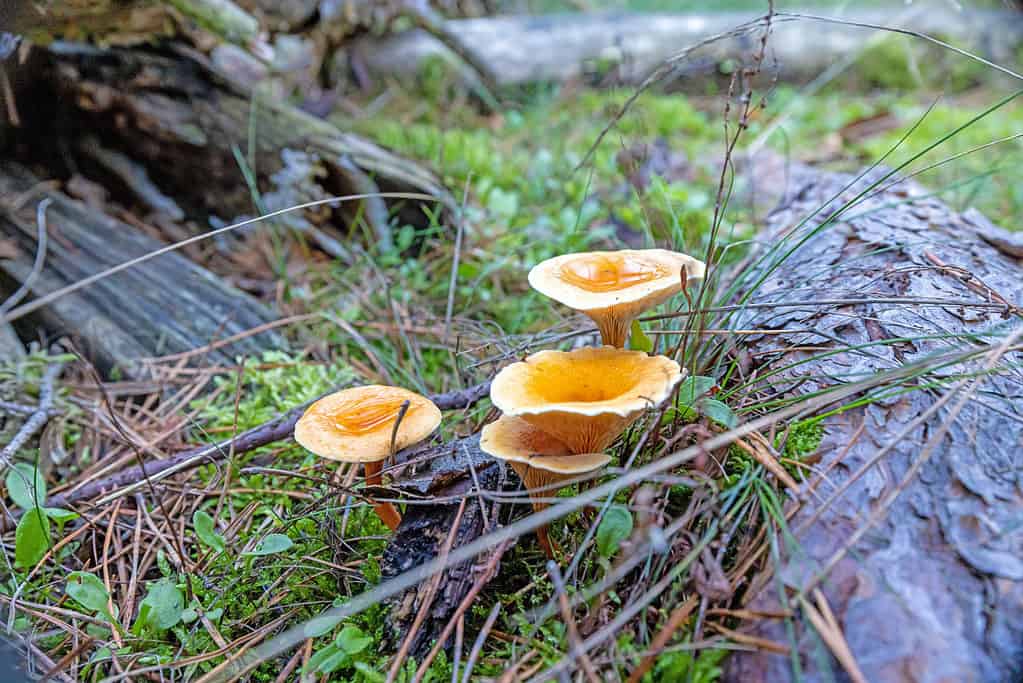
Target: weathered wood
934 592
628 46
448 472
166 305
185 119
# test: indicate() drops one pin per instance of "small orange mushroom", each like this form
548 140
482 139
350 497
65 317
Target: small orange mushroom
367 424
615 287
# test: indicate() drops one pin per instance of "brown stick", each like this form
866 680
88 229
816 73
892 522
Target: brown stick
277 429
388 514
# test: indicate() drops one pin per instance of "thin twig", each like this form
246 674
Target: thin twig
37 266
477 647
463 607
38 419
572 629
277 429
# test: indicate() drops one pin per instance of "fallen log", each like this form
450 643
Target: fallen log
181 116
932 590
626 47
170 305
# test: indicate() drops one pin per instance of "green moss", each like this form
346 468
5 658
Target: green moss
803 438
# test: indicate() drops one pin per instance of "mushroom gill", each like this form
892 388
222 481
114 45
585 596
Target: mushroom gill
540 460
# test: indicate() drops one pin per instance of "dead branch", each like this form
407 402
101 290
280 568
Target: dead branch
278 429
38 419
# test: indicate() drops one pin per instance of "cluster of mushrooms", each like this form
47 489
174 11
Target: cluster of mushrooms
561 410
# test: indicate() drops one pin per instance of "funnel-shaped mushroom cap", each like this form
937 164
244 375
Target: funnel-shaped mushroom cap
355 425
614 287
515 440
584 398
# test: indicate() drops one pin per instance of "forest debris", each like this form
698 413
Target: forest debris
135 314
36 420
425 529
629 45
134 176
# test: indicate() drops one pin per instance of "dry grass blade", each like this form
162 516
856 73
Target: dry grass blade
678 616
831 632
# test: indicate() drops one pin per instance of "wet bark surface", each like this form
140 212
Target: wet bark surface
443 476
934 592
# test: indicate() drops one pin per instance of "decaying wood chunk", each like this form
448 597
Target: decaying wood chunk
447 473
934 592
166 305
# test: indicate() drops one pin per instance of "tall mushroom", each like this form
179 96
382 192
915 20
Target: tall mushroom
365 425
562 409
615 287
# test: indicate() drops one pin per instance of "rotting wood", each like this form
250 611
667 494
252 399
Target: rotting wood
936 587
171 305
626 47
450 473
183 116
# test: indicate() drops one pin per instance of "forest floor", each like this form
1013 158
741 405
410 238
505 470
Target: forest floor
245 550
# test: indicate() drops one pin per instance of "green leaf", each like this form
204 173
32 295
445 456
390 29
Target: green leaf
352 640
327 659
25 486
718 411
638 339
206 531
88 591
165 604
32 537
374 676
694 387
319 626
60 515
614 528
271 545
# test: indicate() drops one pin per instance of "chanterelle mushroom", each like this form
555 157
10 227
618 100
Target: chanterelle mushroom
358 424
563 408
614 287
584 398
540 460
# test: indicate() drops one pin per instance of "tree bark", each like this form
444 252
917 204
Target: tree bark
166 305
934 591
449 472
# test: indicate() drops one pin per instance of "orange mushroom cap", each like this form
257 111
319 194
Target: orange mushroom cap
614 287
584 398
355 425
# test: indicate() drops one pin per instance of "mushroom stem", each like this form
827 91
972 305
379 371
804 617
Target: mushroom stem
537 483
613 329
388 514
